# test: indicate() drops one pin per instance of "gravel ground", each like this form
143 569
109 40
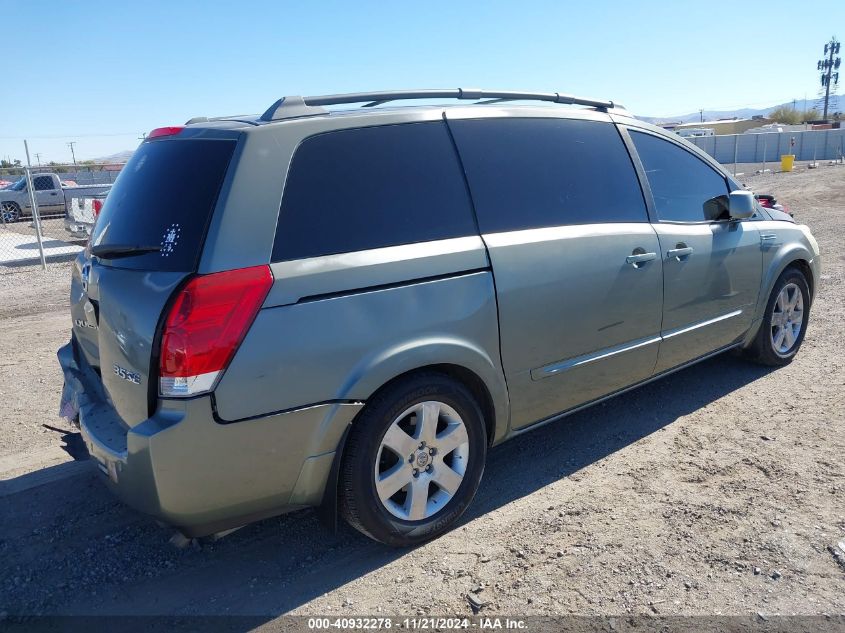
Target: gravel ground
718 490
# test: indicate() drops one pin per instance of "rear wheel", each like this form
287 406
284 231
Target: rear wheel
11 212
413 460
785 321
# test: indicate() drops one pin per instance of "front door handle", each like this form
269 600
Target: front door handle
682 250
640 258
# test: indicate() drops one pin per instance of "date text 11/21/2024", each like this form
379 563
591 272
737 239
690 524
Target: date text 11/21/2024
418 623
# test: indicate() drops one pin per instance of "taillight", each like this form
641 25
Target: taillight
97 206
165 131
208 320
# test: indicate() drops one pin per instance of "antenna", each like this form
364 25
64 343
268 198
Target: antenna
827 66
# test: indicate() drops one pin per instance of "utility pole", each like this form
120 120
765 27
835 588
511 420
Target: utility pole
827 66
38 158
701 114
72 153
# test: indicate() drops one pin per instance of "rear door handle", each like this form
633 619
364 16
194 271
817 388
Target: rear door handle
640 258
682 251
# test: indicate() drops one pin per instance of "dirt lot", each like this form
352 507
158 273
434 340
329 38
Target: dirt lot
718 490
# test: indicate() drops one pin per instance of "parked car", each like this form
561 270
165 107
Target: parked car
694 132
768 201
51 196
346 309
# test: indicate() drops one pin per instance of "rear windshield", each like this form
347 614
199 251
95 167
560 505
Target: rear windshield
164 198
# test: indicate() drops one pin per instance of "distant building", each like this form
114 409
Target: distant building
723 126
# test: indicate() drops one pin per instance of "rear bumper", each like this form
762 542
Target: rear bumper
77 228
184 468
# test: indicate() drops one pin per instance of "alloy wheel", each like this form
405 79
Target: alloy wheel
787 318
10 212
421 460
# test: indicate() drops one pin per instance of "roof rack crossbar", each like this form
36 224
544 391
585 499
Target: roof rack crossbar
289 107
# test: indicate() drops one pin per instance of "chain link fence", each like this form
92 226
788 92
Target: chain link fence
46 213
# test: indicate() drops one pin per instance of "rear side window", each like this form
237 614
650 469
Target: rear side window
532 173
42 183
684 187
372 187
164 198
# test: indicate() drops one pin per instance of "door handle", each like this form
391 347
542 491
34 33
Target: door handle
640 258
768 237
682 250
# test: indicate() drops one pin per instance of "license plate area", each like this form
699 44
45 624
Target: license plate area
69 406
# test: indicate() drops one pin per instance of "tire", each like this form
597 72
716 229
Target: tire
790 296
390 424
11 211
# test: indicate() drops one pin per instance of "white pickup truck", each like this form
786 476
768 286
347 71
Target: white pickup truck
51 196
83 213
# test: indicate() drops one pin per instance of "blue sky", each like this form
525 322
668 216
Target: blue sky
102 72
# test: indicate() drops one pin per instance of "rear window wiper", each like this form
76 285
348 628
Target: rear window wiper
113 251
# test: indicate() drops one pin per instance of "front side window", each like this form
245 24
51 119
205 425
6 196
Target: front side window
528 173
684 187
372 187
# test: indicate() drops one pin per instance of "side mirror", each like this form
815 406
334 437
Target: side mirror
741 205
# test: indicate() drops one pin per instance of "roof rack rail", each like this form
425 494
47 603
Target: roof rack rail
289 107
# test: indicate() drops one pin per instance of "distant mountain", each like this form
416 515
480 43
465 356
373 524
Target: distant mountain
120 157
837 104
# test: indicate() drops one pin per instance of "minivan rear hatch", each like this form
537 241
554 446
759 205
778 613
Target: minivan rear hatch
147 241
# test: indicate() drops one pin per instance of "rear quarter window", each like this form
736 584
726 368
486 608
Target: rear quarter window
365 188
164 197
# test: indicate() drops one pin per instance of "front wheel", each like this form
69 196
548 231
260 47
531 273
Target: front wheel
785 321
413 460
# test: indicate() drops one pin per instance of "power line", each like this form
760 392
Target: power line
61 136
